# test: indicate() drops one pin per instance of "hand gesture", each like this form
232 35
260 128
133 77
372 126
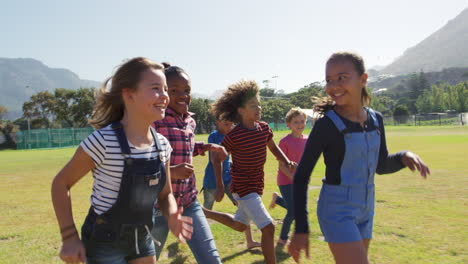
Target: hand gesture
181 170
180 226
413 161
298 243
73 251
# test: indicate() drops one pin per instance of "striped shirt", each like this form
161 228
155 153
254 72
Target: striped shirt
180 131
103 147
248 149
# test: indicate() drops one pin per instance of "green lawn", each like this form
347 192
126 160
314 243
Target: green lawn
417 221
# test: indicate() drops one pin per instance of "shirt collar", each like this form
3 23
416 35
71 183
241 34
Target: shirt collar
171 112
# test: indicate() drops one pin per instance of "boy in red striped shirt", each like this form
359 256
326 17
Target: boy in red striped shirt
247 143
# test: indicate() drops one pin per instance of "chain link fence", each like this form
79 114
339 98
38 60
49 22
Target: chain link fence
51 138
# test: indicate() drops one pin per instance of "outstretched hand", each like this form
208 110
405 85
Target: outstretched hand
413 162
298 243
180 226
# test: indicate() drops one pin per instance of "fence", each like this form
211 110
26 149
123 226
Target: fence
433 119
51 138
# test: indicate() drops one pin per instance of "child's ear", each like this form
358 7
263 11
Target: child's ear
364 77
127 94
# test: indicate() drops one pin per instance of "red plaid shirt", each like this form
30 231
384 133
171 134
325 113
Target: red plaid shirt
180 131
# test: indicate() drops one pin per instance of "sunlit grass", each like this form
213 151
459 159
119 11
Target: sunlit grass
417 221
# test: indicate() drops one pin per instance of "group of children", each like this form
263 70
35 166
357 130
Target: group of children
144 184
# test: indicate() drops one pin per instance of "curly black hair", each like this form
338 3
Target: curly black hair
234 97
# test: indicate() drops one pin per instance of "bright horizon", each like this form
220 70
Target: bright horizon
218 42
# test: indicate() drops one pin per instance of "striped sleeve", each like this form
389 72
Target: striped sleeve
94 145
227 143
166 148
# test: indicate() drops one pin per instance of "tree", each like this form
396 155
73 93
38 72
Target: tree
39 109
274 110
205 121
383 104
401 114
303 97
73 107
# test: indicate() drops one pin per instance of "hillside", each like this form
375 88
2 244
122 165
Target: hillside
20 78
446 48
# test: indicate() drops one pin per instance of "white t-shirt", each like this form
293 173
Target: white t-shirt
103 147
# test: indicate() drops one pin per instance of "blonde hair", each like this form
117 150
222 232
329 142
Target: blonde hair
109 105
295 111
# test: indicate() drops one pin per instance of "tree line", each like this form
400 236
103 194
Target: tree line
64 108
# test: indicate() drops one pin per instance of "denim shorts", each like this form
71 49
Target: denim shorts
250 208
107 245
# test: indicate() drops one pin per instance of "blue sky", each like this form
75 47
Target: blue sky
218 42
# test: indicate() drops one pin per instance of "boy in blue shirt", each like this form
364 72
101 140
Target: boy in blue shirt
213 187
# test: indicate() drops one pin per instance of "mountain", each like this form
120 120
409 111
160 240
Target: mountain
20 78
450 76
446 48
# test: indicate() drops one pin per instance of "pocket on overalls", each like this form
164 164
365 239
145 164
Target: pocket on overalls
104 232
144 191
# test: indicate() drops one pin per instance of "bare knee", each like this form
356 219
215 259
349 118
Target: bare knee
268 229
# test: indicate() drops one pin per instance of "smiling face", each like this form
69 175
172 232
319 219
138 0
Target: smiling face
297 125
344 84
251 111
150 99
179 93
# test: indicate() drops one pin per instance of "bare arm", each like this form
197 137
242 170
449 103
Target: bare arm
80 164
218 172
278 153
180 226
284 169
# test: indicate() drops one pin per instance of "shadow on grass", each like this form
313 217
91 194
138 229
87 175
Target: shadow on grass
255 251
173 252
281 255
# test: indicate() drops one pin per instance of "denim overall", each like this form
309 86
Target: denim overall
346 211
125 227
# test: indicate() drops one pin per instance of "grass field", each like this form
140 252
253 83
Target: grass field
417 221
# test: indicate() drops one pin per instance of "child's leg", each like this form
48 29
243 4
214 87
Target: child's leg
352 252
268 245
286 192
253 207
208 198
248 237
202 242
225 219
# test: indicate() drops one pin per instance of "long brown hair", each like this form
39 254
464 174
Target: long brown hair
323 104
109 105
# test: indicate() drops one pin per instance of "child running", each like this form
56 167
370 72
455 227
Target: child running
292 146
130 162
352 139
217 180
179 128
247 143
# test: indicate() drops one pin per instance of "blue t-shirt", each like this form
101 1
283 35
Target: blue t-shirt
209 181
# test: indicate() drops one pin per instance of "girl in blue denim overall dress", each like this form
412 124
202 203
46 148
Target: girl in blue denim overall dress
351 137
129 161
